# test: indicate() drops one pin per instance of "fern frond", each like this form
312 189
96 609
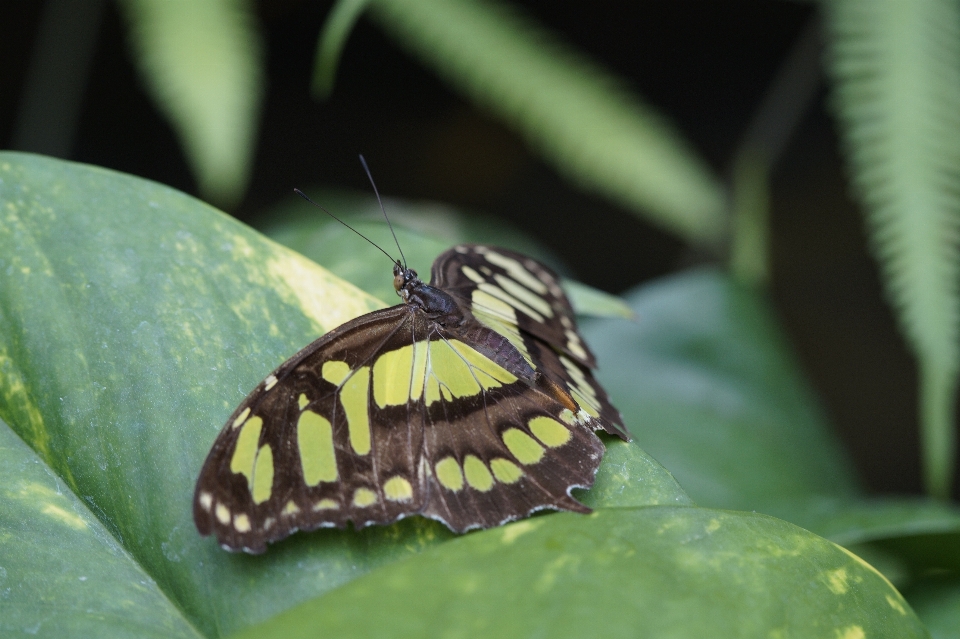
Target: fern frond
572 111
895 66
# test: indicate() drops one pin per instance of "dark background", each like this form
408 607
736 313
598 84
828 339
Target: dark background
706 65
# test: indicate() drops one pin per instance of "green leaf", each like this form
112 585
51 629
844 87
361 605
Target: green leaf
709 387
750 237
133 319
937 603
630 477
340 22
61 572
423 231
656 572
847 522
903 537
591 129
203 63
587 300
896 74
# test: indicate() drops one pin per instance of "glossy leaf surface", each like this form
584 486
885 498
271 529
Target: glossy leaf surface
651 572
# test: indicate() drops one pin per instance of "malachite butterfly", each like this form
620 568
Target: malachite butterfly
472 403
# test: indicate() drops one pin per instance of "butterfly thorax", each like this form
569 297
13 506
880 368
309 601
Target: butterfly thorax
438 305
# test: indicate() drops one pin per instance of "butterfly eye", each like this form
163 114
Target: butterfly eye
398 281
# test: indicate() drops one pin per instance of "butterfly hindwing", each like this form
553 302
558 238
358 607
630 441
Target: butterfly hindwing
524 452
514 288
522 299
467 414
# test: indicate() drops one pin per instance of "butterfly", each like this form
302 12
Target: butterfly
472 402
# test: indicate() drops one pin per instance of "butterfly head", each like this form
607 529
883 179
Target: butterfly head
404 280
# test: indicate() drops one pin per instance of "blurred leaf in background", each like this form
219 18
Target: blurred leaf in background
578 116
202 61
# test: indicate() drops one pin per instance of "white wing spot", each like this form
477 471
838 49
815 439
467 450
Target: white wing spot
206 501
242 417
574 345
523 294
502 295
270 382
223 514
241 523
472 274
326 504
517 271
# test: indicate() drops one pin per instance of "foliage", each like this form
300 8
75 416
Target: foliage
896 71
134 318
896 85
202 62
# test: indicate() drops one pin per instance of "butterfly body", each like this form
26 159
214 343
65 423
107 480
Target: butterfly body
472 403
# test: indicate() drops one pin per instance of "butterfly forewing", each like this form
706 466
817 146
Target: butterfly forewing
473 416
288 459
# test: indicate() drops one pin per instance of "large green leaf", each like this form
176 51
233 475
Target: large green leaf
937 603
856 521
650 572
903 537
133 318
896 73
573 111
708 385
61 571
202 62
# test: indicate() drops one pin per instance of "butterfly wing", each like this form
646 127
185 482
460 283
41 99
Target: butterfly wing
389 415
504 452
521 299
304 449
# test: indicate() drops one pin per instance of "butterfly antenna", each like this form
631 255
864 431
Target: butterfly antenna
377 193
304 196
